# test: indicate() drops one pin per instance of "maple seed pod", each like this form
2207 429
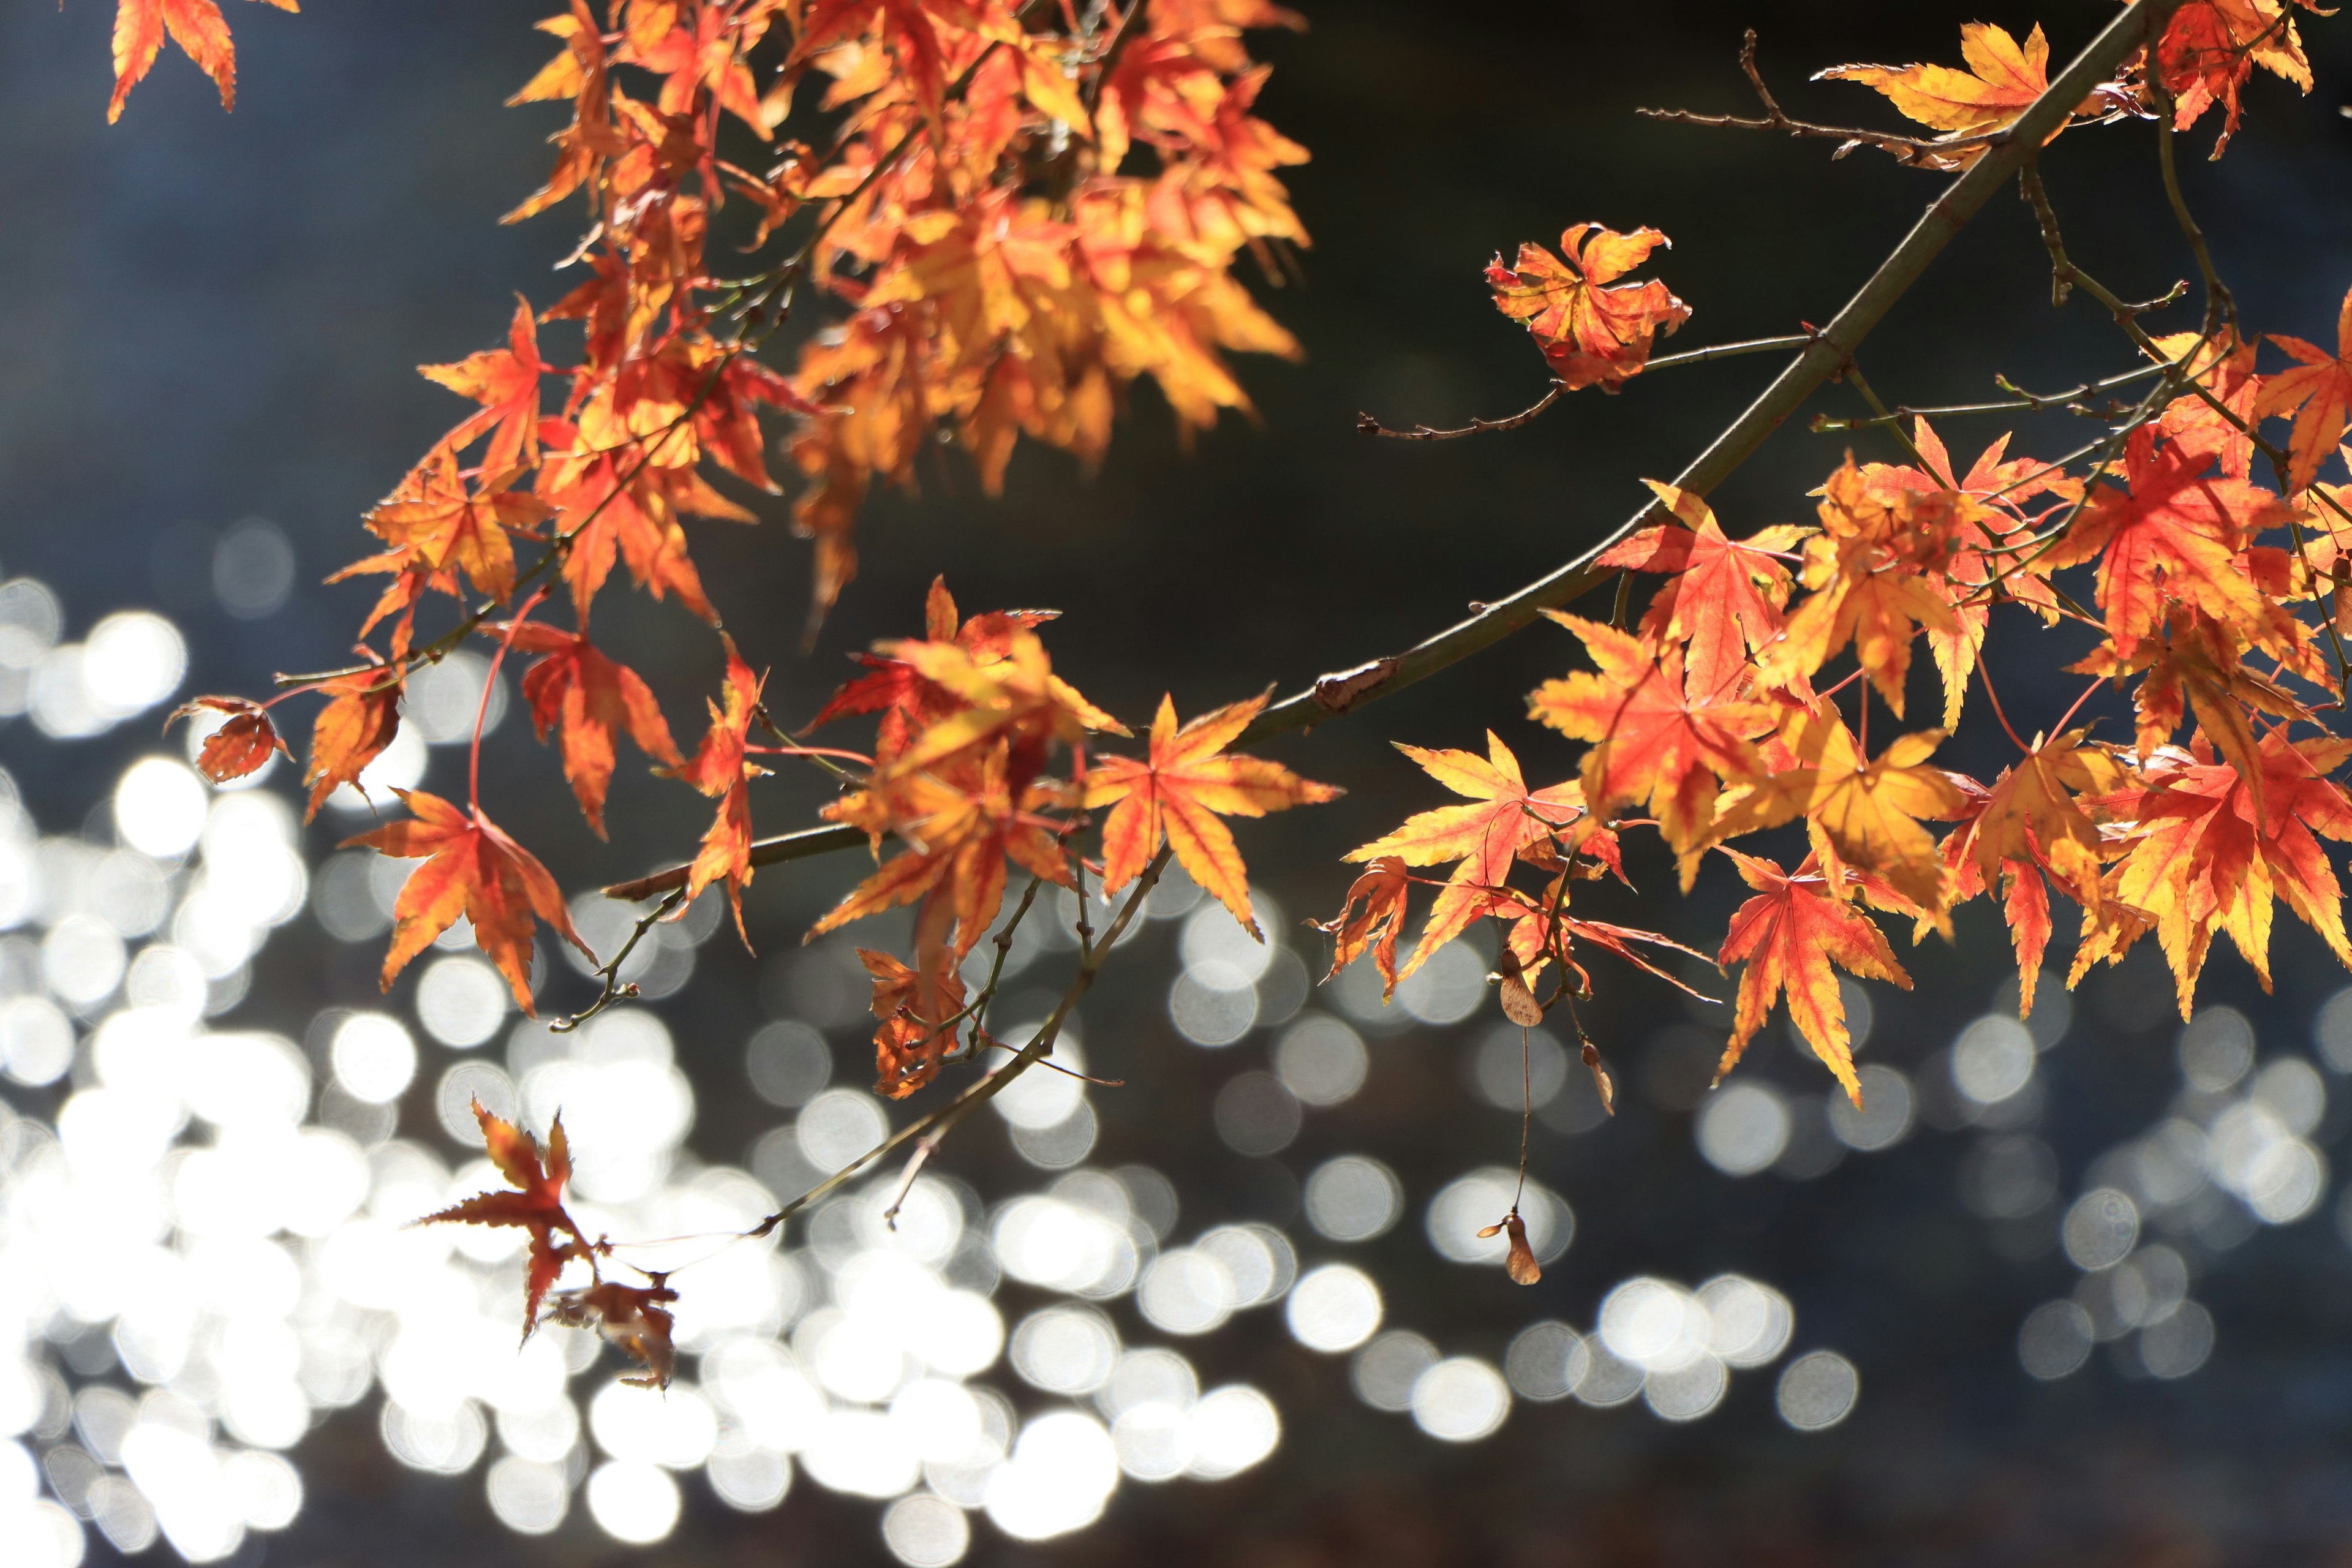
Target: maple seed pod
1601 1080
1522 1264
1519 1004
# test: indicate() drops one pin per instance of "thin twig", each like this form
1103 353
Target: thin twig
1371 426
936 1126
609 973
1882 415
2023 402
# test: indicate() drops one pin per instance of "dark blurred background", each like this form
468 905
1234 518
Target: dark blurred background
211 318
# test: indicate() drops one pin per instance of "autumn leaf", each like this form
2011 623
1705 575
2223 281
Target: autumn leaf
1870 572
894 684
241 743
2196 667
2210 47
1723 600
2203 861
634 1318
1593 330
1371 918
1179 793
1985 507
916 1010
719 769
613 510
1789 934
1486 836
2225 368
1868 810
2002 79
2318 392
966 821
1006 690
196 26
2175 533
2033 815
504 382
535 1203
594 698
352 730
443 525
1652 742
474 869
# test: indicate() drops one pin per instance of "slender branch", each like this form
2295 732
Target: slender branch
2021 402
612 989
934 1128
1371 426
1882 415
1527 415
1825 353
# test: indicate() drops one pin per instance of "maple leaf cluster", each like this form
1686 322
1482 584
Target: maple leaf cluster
1712 719
970 717
1002 268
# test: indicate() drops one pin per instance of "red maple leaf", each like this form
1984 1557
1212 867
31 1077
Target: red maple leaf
535 1203
719 769
474 869
2318 392
594 698
196 26
2174 534
504 382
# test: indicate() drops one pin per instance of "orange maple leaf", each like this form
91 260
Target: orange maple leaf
242 744
1986 507
2318 392
504 382
615 508
719 769
535 1203
1723 599
1866 809
2224 367
966 819
1178 795
1652 740
2175 535
1485 837
352 730
2002 79
1593 330
474 869
594 698
895 686
2033 816
443 524
1873 569
2205 861
196 26
1789 934
916 1010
